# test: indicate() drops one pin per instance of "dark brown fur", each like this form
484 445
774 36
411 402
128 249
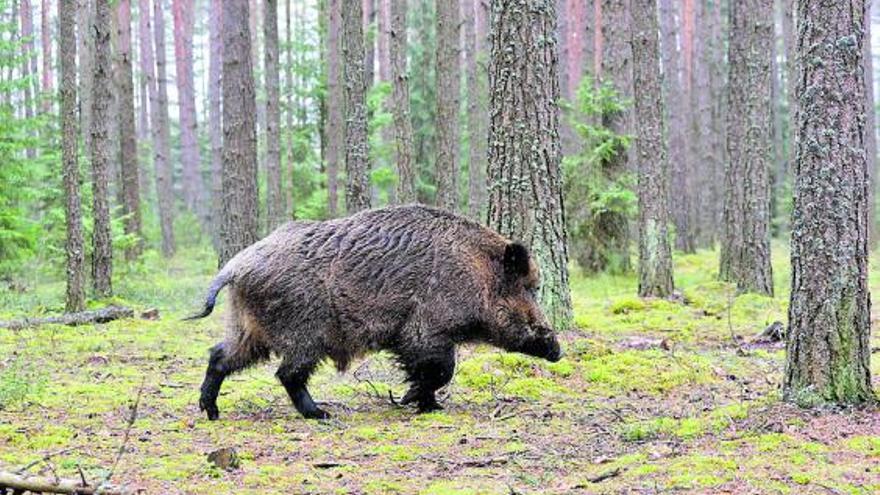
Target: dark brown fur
410 279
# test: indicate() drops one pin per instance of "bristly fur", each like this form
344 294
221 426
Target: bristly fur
410 279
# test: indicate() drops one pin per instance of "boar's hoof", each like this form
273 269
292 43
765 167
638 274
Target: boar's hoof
210 409
429 406
315 413
424 403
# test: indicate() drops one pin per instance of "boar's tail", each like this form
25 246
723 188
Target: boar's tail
221 280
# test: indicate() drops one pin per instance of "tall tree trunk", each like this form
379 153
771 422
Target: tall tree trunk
193 187
675 114
215 129
101 149
369 13
655 258
357 154
617 70
287 200
525 194
476 123
75 244
85 18
29 64
335 123
870 132
128 139
46 41
745 248
828 348
274 199
448 91
403 130
157 87
145 44
240 206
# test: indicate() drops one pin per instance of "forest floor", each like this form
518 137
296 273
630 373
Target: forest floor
653 397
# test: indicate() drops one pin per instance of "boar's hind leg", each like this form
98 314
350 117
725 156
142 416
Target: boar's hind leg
294 375
427 372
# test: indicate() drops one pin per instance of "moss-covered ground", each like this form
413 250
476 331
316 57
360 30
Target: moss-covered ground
653 397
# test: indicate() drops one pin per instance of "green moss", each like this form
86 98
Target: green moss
650 371
867 445
801 478
700 471
628 305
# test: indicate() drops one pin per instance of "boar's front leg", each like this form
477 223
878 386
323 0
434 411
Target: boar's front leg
294 375
427 372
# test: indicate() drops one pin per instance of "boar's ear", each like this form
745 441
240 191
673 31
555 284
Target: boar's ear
516 259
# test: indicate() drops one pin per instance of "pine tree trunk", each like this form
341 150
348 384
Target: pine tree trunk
85 17
287 199
335 125
274 201
525 198
745 247
75 246
46 41
29 64
617 70
369 13
870 133
127 134
145 44
828 348
675 113
193 187
158 96
215 129
655 258
357 161
476 123
101 149
448 91
403 131
240 222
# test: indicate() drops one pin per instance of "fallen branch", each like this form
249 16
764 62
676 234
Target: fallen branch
90 317
20 483
602 477
132 417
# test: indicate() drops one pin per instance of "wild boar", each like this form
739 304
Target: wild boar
412 280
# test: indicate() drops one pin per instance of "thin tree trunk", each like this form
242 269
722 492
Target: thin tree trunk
157 87
145 44
335 124
127 134
745 249
101 146
369 13
240 206
287 199
476 123
190 156
215 129
870 132
274 200
29 64
86 50
46 40
403 131
448 91
75 244
655 258
357 161
524 144
828 341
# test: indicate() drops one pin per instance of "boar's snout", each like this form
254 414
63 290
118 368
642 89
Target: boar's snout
546 346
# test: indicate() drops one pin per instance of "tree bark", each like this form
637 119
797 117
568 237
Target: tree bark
448 91
525 198
369 13
745 248
101 145
334 125
676 109
128 138
158 95
403 130
193 187
476 123
29 64
86 50
870 132
46 40
240 223
215 129
75 244
357 155
274 200
655 258
145 36
827 344
617 69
